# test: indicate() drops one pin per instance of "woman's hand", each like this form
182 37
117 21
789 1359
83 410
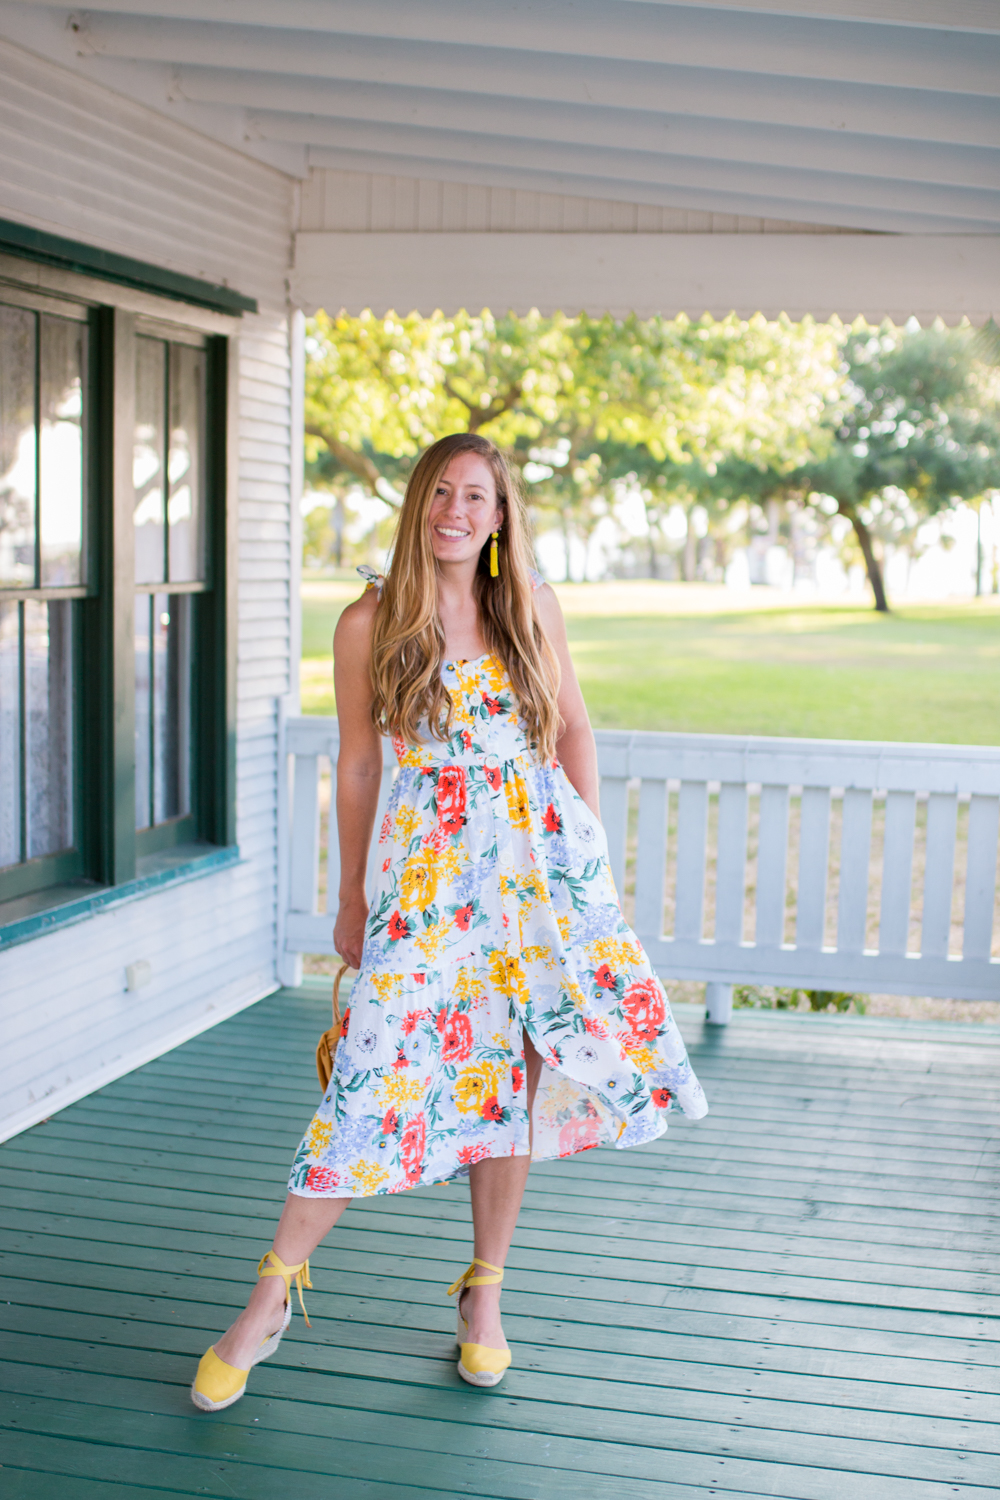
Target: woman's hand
349 930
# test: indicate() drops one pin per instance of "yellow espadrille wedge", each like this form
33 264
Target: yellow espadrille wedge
218 1385
477 1363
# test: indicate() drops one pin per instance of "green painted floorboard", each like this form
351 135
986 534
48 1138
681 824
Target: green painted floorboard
795 1298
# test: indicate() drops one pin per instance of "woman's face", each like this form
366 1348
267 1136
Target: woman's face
464 509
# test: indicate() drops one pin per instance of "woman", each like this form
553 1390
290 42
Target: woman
503 1009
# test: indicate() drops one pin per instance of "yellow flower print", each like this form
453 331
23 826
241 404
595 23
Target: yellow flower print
496 675
434 940
418 883
507 975
468 985
572 990
518 806
643 1059
320 1133
389 986
474 1087
614 952
541 953
502 1040
563 924
368 1176
398 1088
407 822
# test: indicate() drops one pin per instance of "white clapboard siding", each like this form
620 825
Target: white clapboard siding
379 202
81 161
683 777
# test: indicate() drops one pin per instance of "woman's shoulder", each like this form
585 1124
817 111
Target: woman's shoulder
355 623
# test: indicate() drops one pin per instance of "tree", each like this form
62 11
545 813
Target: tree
922 423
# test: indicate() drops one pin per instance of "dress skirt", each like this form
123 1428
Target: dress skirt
494 917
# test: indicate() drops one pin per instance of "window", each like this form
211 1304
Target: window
43 510
168 479
116 691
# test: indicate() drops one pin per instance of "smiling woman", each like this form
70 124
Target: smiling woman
504 1011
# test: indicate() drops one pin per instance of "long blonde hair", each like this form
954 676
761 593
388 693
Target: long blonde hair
408 645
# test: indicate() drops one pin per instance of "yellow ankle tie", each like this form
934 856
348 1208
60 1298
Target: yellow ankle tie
469 1277
272 1265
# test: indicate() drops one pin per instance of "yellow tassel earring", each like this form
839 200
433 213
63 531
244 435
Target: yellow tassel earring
494 559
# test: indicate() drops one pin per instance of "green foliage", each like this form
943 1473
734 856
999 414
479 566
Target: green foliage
767 997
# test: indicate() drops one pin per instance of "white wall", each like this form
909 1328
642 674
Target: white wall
81 161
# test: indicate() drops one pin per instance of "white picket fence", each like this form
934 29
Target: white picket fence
815 864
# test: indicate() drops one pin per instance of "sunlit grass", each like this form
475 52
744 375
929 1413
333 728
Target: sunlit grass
696 658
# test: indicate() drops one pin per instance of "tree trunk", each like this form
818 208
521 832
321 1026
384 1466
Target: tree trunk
874 571
689 556
653 570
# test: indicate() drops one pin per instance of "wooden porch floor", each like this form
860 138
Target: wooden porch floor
792 1298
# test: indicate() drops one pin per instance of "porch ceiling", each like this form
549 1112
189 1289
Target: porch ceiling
866 114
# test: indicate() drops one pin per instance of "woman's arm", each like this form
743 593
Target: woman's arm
359 771
575 746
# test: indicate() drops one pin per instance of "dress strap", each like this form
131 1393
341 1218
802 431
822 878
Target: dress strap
372 579
536 579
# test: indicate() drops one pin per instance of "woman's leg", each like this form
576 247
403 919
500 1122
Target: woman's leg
303 1224
496 1188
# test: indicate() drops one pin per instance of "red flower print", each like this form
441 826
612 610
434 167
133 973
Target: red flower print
552 822
390 1122
494 776
604 979
419 978
386 828
451 799
662 1098
411 1148
578 1135
402 1061
398 927
412 1020
469 1154
322 1179
457 1043
466 740
463 917
441 1020
346 1018
517 1077
492 704
492 1110
596 1027
644 1009
385 865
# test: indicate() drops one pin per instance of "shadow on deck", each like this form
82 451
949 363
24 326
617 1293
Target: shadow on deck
790 1298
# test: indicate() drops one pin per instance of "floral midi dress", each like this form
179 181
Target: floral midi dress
494 916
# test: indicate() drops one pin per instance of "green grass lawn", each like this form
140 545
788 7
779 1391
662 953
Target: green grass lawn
692 657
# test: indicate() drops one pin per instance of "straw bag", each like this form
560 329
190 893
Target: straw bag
327 1045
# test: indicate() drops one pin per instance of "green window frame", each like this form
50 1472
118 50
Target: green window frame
110 847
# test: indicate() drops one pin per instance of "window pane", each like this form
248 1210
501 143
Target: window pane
17 447
171 706
48 710
10 734
61 466
185 464
143 701
148 460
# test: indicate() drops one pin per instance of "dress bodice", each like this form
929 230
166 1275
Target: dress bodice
486 727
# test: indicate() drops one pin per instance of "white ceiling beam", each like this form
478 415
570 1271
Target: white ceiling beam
635 130
473 151
767 46
822 275
740 201
390 18
855 108
849 110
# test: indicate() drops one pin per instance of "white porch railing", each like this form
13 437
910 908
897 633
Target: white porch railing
815 864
